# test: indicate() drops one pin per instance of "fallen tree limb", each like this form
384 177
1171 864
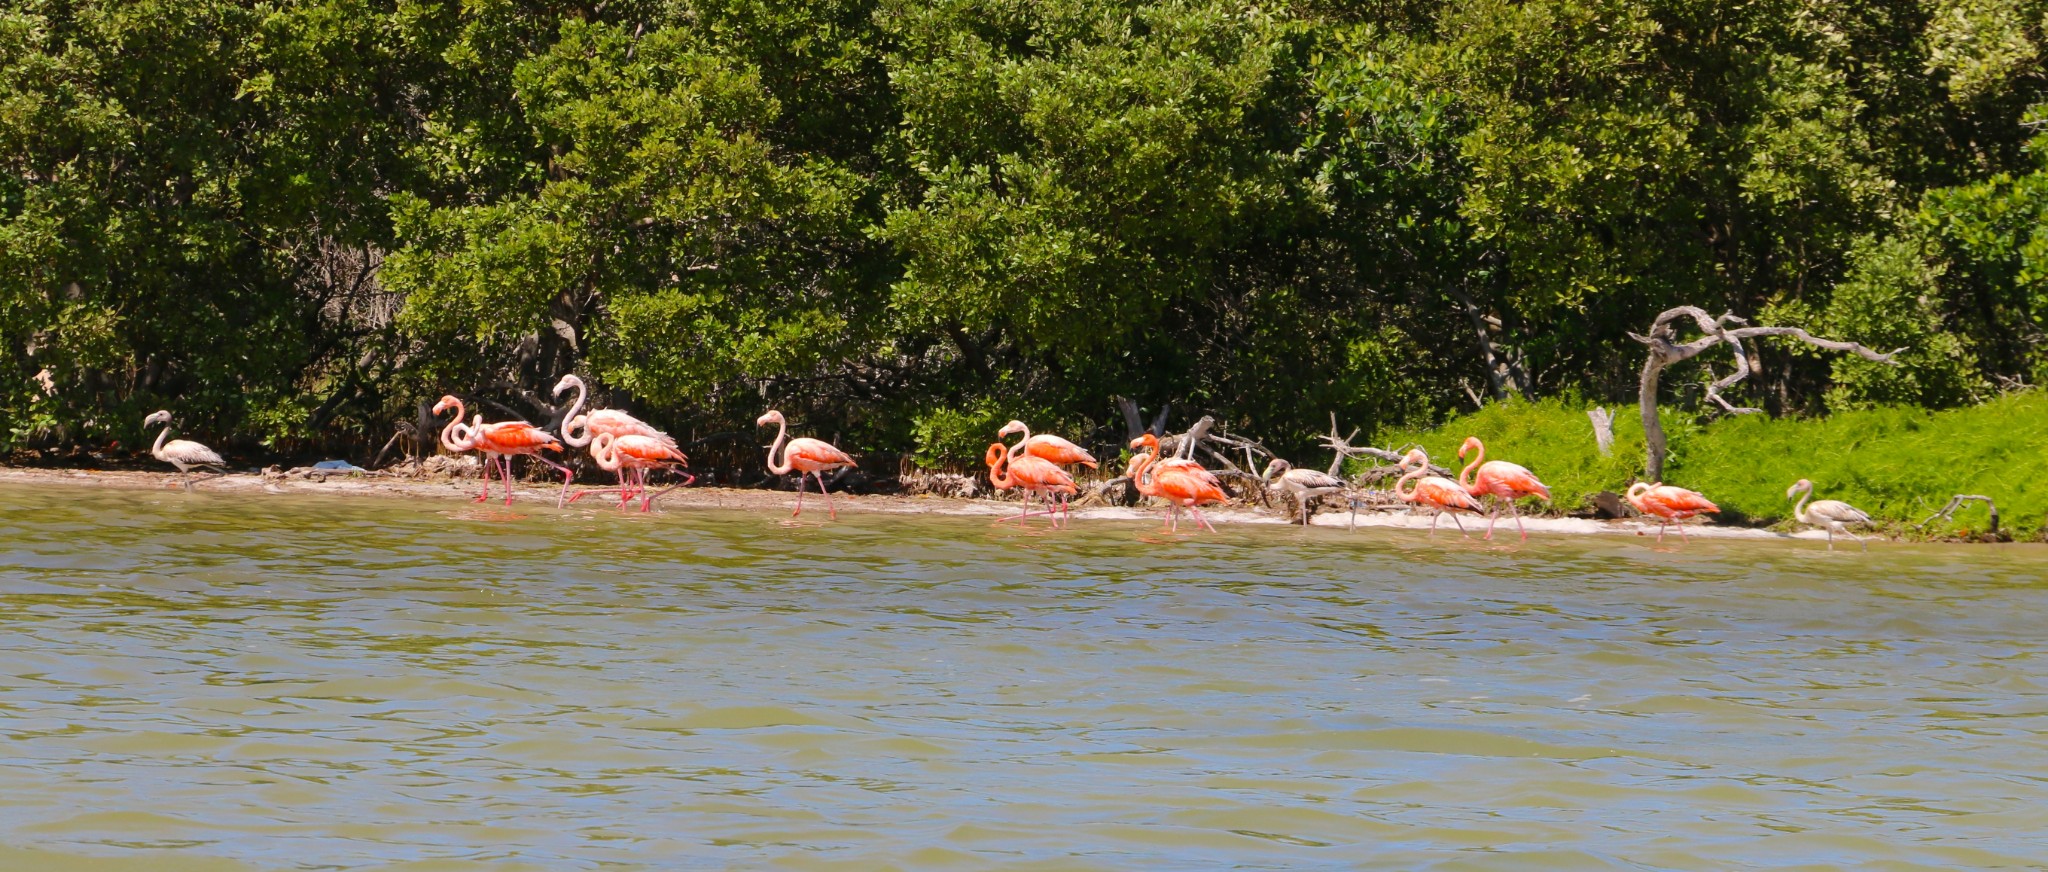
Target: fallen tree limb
1948 512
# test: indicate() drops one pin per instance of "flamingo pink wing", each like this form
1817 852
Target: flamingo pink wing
1057 450
1444 494
513 437
1679 499
816 454
648 450
1509 481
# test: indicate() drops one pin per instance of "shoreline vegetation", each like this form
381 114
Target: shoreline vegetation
1902 465
294 225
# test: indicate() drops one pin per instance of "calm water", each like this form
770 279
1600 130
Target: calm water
207 682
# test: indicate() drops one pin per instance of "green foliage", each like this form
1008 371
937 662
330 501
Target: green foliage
1892 300
1900 464
897 219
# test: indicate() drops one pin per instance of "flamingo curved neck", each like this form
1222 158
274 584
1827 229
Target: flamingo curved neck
1799 511
781 433
606 452
569 420
999 474
157 450
1017 450
1409 495
1142 477
455 437
1464 476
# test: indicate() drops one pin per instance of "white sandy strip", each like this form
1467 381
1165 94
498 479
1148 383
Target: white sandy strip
758 500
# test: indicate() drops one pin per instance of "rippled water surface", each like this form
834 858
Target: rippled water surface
212 682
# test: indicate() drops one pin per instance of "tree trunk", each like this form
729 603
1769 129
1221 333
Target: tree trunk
1653 427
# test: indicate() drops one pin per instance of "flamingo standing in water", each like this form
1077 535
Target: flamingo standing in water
1435 491
1505 482
1306 484
579 431
499 442
1669 504
1048 447
1831 514
805 455
1035 475
184 454
1181 483
630 457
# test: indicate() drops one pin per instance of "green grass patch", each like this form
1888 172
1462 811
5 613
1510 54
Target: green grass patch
1899 464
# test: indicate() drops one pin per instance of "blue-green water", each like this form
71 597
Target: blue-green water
213 681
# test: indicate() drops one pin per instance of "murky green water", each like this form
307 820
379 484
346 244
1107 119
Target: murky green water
202 681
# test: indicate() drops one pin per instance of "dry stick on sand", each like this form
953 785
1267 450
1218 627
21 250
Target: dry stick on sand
1665 351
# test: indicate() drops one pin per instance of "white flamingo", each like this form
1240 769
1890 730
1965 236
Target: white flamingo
184 454
1306 484
1834 515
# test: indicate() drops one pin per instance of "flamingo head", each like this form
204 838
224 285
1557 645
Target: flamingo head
995 455
1415 457
1471 444
1137 464
1800 485
1012 427
446 403
160 416
1148 442
771 417
1275 468
568 381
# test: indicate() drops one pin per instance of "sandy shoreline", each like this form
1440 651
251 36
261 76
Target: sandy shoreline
459 490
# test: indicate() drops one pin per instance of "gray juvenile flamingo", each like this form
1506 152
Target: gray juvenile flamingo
1305 484
1834 515
184 454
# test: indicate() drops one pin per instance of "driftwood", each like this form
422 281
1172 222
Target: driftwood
1603 429
1948 512
1343 448
1727 329
407 435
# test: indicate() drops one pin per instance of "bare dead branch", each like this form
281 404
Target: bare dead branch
1729 330
1947 512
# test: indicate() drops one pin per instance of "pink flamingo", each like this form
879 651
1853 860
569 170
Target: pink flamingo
1435 491
184 454
1048 447
499 442
1182 483
579 430
630 456
1669 504
1505 482
805 455
1035 475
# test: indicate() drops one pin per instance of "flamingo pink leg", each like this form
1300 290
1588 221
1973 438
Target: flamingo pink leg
688 480
490 469
830 509
799 494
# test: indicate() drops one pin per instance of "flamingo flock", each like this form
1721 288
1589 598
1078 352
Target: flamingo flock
1036 464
